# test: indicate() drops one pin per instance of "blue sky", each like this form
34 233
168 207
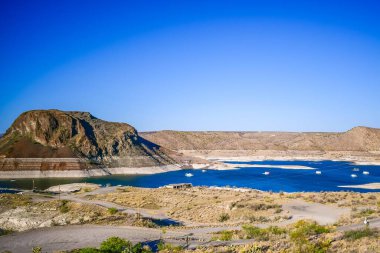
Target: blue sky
194 65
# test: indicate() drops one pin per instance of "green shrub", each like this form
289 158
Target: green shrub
169 247
225 235
5 231
87 189
64 208
253 219
300 237
37 249
305 228
114 245
252 232
137 248
357 234
278 210
276 230
88 250
366 212
112 210
224 217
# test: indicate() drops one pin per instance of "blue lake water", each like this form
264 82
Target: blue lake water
288 180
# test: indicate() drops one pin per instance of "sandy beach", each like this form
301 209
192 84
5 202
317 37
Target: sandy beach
370 186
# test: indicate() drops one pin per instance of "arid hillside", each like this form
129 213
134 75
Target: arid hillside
58 134
357 139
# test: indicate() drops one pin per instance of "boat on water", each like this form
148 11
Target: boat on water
354 175
355 169
203 171
366 172
12 180
189 175
266 173
318 172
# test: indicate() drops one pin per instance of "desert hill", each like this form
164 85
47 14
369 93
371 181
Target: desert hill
357 139
59 134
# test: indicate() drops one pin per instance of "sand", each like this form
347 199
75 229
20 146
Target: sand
286 167
74 187
88 173
370 186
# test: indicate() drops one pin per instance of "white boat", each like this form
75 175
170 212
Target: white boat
354 175
266 173
318 172
12 180
189 175
355 169
203 171
366 172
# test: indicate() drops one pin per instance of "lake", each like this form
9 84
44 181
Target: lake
332 175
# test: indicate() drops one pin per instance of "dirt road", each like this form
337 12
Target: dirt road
71 237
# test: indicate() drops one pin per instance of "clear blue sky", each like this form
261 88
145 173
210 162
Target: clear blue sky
194 65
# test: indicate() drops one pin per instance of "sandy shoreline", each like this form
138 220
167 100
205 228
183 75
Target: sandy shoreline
216 163
369 186
286 167
289 158
87 173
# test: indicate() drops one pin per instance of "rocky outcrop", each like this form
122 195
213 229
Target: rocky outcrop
94 142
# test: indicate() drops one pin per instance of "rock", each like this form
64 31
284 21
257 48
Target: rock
59 134
75 187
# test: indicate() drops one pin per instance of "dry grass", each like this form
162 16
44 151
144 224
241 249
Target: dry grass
11 201
207 206
27 215
202 205
362 204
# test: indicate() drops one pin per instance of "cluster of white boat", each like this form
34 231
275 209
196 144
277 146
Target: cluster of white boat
191 174
357 169
318 172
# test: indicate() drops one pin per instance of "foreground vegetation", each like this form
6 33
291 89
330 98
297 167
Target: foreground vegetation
201 206
48 212
301 237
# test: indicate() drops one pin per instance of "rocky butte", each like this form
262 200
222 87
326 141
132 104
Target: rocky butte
44 143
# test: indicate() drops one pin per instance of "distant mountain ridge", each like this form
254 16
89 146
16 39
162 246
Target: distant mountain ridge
356 139
53 140
59 134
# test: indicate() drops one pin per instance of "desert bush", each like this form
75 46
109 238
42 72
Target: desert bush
300 237
166 247
307 228
276 230
87 189
253 218
37 249
357 234
87 250
225 235
278 210
224 217
112 210
372 197
262 206
5 231
64 208
114 245
364 213
252 232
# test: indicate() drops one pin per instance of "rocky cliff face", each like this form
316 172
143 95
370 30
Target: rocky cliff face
58 134
357 139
